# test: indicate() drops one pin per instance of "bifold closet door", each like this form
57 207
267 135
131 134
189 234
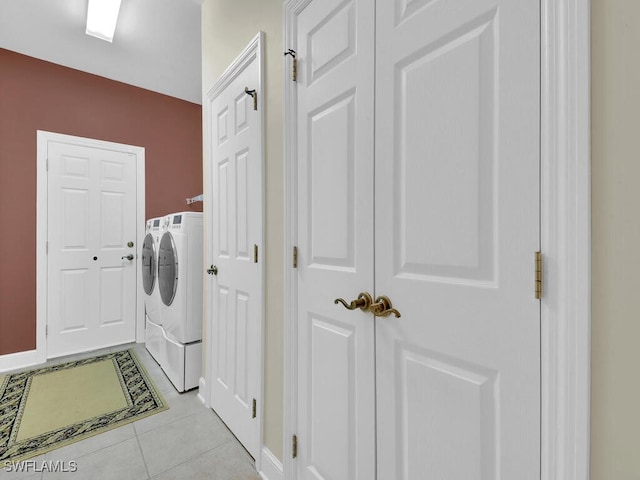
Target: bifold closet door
456 215
336 409
457 225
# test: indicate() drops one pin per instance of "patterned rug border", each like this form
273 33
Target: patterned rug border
137 387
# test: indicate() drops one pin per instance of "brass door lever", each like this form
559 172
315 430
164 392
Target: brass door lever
383 308
363 302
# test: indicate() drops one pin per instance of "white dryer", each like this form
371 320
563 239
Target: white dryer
180 272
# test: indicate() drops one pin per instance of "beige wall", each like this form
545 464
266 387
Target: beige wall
615 357
227 28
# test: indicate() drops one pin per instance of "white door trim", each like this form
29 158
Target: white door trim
290 415
565 239
254 51
43 138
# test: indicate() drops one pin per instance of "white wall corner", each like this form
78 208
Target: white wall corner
271 467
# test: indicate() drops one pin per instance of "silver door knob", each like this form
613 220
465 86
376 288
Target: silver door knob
212 270
128 257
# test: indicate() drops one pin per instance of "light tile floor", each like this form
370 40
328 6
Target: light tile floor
187 441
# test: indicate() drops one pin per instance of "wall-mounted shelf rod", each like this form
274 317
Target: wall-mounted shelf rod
197 198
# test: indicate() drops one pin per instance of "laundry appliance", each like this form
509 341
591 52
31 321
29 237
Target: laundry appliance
150 245
176 344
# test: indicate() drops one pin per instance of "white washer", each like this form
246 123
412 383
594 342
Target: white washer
150 269
180 269
154 341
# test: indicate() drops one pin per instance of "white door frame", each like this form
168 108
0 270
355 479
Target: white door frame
254 51
43 138
565 239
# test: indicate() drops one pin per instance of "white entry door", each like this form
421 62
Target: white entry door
457 228
91 298
439 211
234 239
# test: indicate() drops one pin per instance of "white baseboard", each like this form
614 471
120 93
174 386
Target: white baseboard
14 361
270 466
202 392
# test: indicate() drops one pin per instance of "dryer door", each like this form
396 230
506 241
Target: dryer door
167 268
148 264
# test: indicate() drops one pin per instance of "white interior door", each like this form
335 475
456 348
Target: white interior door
336 408
236 206
457 226
91 218
457 385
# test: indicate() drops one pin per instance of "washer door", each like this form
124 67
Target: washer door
148 264
167 268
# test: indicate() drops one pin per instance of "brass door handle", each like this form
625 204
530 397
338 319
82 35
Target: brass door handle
383 308
212 270
363 302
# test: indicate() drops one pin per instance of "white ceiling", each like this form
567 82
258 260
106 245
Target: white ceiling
156 44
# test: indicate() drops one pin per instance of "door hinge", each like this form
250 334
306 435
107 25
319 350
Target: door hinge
294 74
295 257
46 247
538 275
255 254
46 167
46 330
253 409
294 446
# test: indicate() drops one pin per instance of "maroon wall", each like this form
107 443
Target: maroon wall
37 95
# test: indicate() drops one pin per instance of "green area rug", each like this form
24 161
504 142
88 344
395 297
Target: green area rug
50 407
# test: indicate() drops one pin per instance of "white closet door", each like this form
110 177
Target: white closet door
91 218
236 188
336 426
457 225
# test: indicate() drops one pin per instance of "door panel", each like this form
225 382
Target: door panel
112 295
92 216
448 413
331 183
75 218
443 156
237 226
112 229
457 225
75 309
336 409
242 218
332 388
223 205
332 40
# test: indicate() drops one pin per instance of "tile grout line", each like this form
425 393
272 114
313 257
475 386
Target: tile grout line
179 419
195 456
144 460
